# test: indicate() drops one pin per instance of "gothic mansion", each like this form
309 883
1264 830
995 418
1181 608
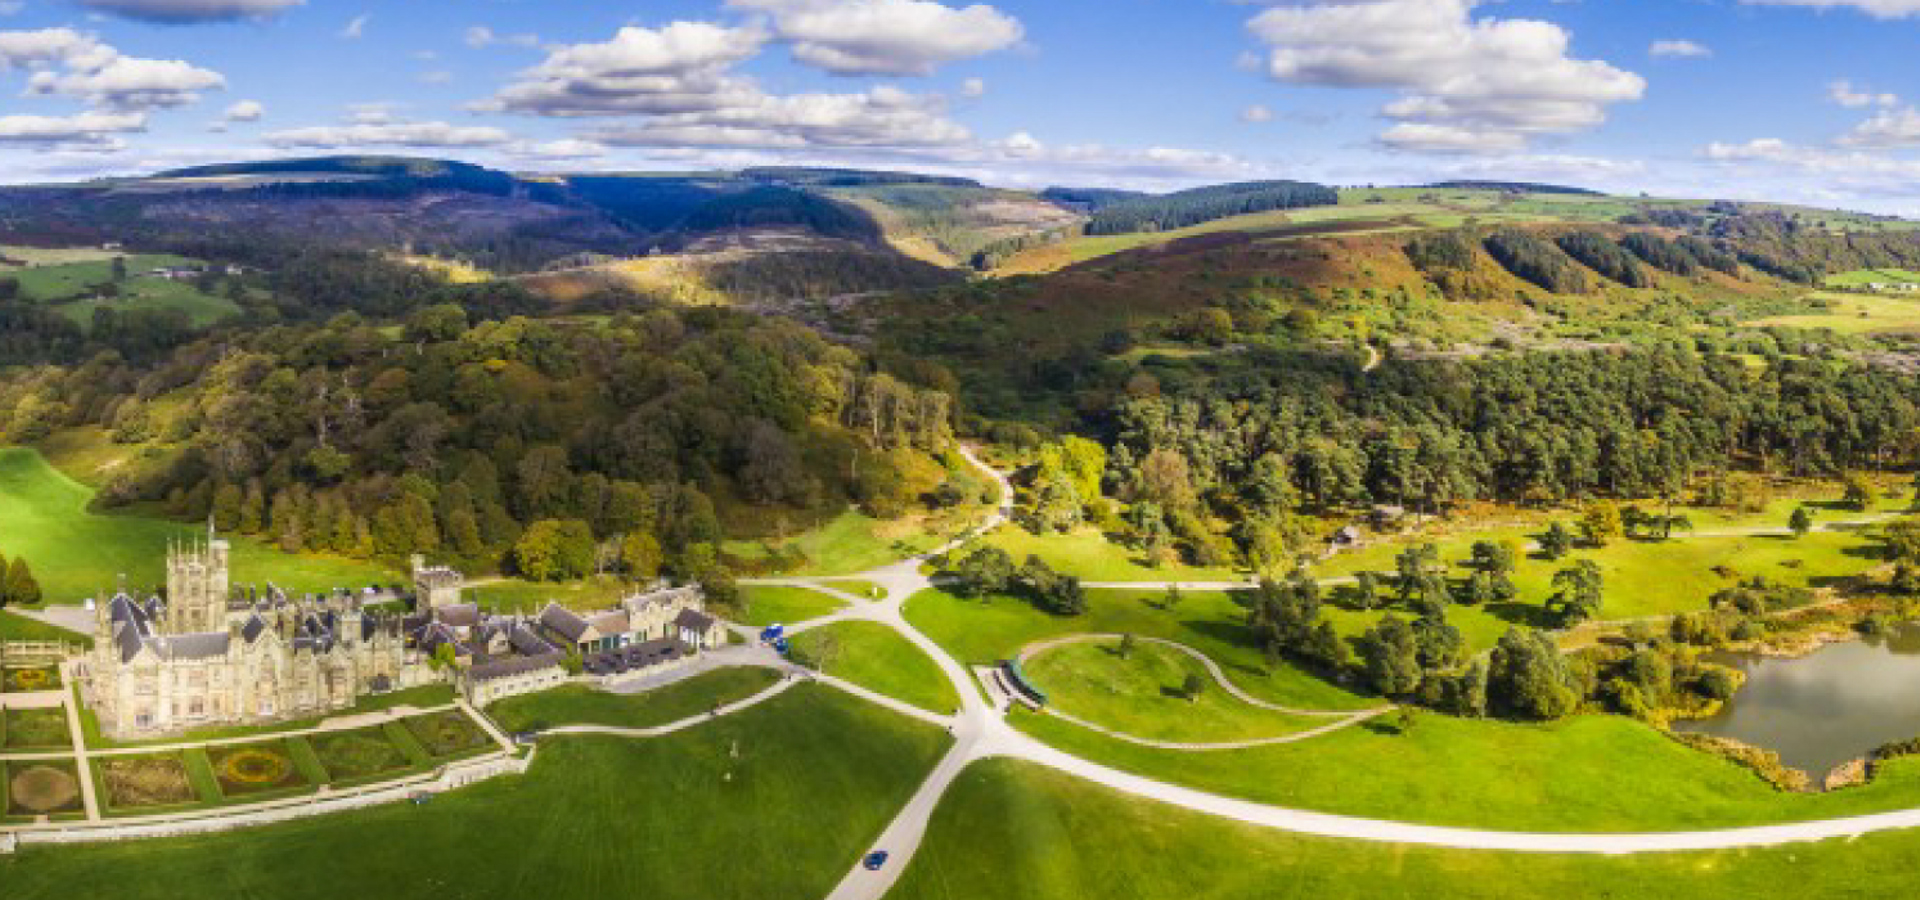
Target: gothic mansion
210 655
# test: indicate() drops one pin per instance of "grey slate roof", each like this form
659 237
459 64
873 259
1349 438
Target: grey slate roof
514 665
562 620
462 615
194 646
694 620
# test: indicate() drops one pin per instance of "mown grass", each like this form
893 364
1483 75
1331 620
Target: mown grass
984 631
1588 773
852 542
15 627
576 704
775 802
1143 694
512 595
1088 554
1015 831
422 697
879 659
76 554
777 604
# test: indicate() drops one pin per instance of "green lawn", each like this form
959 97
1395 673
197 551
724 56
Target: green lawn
1855 314
1015 831
423 697
776 802
1144 696
76 554
1088 554
879 659
774 604
987 630
851 543
576 704
1589 773
20 628
512 595
1642 578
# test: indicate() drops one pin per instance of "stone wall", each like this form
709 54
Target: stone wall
455 775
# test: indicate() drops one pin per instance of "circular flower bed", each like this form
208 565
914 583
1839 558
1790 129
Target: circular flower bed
37 790
255 767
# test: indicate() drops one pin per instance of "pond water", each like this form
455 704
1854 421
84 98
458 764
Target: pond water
1826 708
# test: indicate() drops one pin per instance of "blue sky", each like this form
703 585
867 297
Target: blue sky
1808 100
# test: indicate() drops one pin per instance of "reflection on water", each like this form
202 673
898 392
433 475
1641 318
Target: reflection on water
1824 709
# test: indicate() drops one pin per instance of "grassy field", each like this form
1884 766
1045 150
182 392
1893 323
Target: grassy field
511 595
70 276
575 704
1642 578
772 604
734 809
1864 277
76 554
852 543
1014 831
1143 695
21 628
1856 314
1588 773
987 630
1088 554
879 659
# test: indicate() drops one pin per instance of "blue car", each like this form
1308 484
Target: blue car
875 860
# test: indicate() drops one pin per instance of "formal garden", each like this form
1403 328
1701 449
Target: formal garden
144 783
35 729
41 787
249 770
449 733
28 679
360 755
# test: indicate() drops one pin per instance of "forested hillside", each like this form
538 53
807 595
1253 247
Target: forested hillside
631 445
1191 207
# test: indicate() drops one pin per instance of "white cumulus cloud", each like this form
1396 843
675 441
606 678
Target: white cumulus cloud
416 135
886 37
1469 84
1847 94
87 128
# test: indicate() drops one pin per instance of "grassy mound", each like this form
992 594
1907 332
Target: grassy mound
1143 694
740 808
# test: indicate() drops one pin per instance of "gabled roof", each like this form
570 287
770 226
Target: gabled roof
253 629
194 646
526 643
460 615
517 665
562 620
611 622
693 619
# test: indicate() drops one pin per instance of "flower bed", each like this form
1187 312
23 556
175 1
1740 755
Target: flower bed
42 788
140 781
354 755
447 733
38 729
28 679
253 768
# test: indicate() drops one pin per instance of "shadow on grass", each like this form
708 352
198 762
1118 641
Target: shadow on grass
1523 614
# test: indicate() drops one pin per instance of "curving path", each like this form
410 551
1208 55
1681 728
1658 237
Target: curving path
980 732
1035 649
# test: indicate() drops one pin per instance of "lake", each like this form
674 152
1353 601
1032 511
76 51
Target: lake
1828 707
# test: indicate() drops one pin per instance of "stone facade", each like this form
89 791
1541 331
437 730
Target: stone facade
206 655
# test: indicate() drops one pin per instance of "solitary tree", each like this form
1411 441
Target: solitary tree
1557 542
1126 646
1194 687
1801 521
